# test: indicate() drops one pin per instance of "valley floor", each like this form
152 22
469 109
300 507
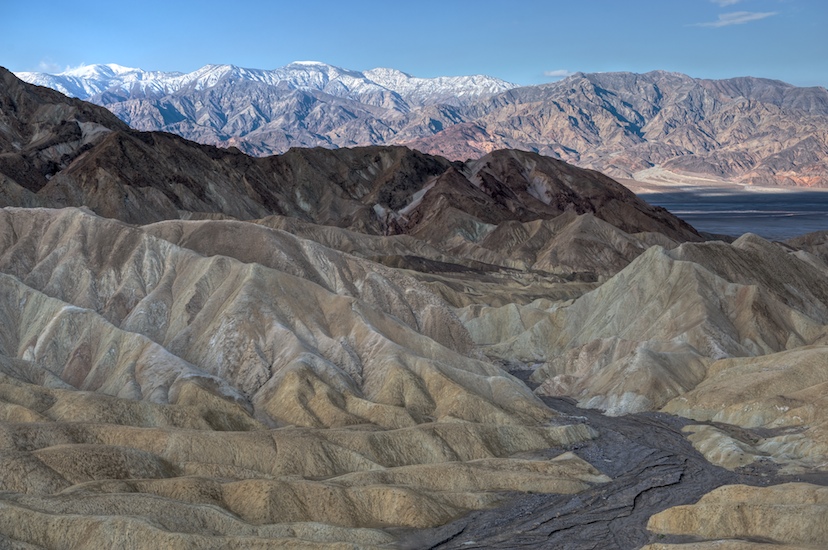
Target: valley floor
658 180
653 467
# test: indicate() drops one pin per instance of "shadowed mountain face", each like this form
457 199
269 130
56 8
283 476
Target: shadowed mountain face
147 177
329 348
749 130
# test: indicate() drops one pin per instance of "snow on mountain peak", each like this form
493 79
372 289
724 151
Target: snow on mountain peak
381 72
98 71
446 88
88 81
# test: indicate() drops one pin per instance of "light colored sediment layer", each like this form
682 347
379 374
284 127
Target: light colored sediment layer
289 349
781 393
98 480
649 333
793 515
140 383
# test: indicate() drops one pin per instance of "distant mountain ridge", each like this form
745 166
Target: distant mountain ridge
88 81
327 348
747 130
57 151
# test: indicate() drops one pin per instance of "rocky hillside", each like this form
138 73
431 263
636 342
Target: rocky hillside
63 152
748 130
376 348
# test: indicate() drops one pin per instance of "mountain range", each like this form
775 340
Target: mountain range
397 89
375 347
746 130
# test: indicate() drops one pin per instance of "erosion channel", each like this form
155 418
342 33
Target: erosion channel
653 467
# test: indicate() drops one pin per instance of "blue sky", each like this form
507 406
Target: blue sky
523 41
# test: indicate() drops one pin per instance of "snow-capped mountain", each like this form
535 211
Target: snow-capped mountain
88 81
305 103
746 129
411 87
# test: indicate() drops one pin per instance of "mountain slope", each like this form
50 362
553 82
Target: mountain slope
91 81
146 177
749 130
650 332
328 348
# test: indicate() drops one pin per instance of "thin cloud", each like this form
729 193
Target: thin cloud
725 3
558 73
736 18
48 66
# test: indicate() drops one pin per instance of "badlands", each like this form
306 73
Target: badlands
378 348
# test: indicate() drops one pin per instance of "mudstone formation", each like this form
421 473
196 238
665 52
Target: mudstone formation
375 347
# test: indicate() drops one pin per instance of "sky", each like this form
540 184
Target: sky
522 41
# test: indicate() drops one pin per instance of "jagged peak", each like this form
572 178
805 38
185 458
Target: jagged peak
87 81
387 71
97 69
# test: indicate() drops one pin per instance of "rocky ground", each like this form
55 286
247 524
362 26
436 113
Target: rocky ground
375 348
745 130
653 467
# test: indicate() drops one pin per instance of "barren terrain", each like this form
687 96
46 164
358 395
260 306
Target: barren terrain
744 130
378 348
